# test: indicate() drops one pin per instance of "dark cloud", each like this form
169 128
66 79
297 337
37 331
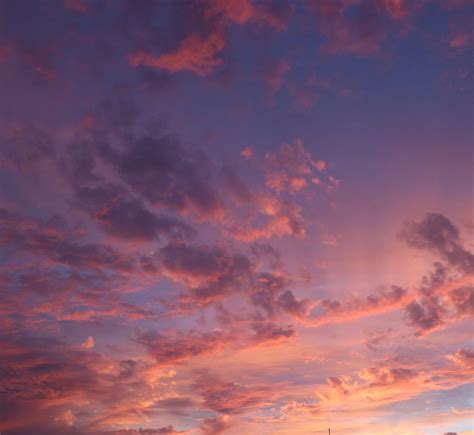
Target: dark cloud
271 296
128 218
266 293
435 279
425 316
159 169
437 309
437 234
462 299
153 165
153 169
289 303
209 272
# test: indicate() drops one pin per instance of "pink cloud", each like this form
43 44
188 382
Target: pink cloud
199 53
463 358
460 40
195 53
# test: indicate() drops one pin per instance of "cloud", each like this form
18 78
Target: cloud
167 259
169 349
291 168
361 28
268 333
377 339
437 234
274 14
247 153
162 171
125 185
122 179
52 240
195 53
128 218
375 386
387 376
89 343
397 9
340 384
335 311
200 50
208 272
442 300
216 425
211 273
283 218
166 430
463 358
228 397
79 6
39 54
49 386
460 35
299 411
45 378
273 298
426 316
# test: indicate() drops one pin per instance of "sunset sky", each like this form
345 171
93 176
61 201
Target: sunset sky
236 217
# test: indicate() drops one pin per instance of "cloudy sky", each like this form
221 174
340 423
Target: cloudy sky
236 217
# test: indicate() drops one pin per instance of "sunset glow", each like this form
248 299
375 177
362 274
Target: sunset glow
236 217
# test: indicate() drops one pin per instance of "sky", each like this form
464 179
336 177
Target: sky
236 217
